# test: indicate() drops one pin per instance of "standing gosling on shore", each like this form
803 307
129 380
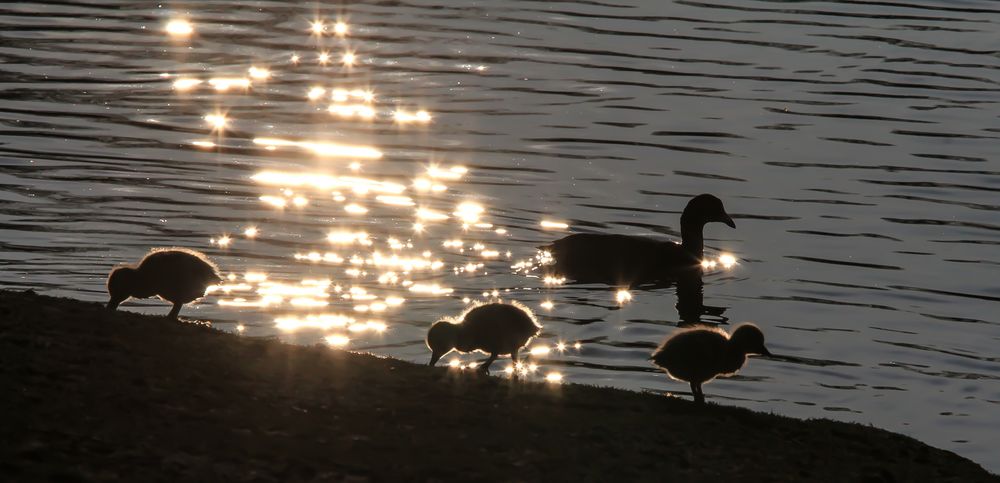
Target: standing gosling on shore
494 328
177 275
700 355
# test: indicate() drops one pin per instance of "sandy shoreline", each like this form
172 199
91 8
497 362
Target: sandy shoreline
95 395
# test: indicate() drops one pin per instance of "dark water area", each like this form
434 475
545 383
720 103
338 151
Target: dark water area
854 143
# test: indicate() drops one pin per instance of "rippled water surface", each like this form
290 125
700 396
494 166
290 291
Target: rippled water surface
854 143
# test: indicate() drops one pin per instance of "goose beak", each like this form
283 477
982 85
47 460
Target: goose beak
434 358
113 304
765 352
728 220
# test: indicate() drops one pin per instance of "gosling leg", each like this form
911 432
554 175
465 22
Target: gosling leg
173 312
485 368
699 397
513 359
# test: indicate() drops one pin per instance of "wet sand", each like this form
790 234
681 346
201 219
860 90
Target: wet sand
95 395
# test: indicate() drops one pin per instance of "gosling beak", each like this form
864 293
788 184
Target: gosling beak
765 352
113 304
434 358
728 220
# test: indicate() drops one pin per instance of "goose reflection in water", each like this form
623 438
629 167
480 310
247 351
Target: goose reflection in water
691 302
690 290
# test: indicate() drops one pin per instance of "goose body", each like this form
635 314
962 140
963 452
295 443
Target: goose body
177 275
699 355
627 260
494 328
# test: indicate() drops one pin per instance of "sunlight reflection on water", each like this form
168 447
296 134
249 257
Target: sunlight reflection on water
179 28
858 181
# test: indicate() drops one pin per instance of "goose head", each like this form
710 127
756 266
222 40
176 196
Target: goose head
748 339
121 285
704 209
441 339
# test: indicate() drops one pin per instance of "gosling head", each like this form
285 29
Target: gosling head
441 339
706 209
748 339
121 285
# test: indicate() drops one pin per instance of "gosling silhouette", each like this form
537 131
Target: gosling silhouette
623 259
700 355
177 275
495 328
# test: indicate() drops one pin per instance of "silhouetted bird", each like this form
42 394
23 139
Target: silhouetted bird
495 328
622 259
177 275
699 355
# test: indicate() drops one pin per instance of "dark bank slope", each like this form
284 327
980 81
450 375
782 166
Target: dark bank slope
89 394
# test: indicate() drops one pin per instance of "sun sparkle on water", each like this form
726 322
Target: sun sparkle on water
275 201
553 280
184 84
179 28
258 73
726 260
430 289
348 237
312 321
395 200
351 110
337 340
222 84
355 209
540 350
468 211
404 117
218 121
315 93
427 214
452 173
324 148
255 277
390 260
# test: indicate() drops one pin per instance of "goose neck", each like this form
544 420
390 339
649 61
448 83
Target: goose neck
692 239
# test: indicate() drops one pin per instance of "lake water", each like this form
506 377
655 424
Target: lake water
855 144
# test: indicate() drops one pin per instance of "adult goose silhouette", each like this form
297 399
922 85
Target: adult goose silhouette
177 275
628 260
493 328
700 355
